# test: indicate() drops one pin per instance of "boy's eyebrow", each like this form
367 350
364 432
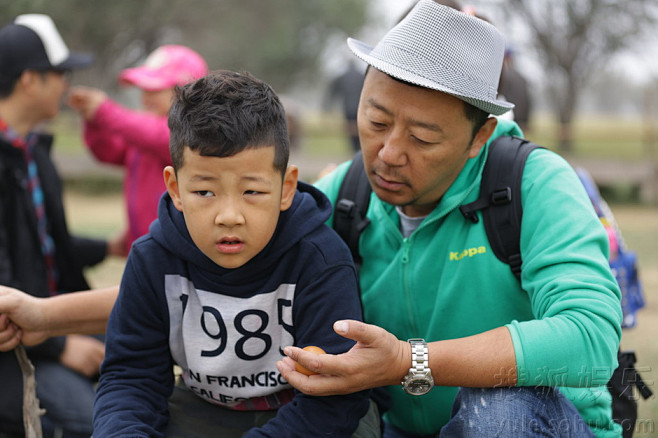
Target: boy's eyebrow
203 178
258 179
414 122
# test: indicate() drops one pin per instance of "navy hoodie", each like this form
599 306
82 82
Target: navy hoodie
226 328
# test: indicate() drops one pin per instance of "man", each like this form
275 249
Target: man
515 88
424 128
505 344
346 89
37 254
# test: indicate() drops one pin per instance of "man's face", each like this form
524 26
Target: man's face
51 86
231 205
415 141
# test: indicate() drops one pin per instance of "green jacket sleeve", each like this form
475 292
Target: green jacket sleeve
574 297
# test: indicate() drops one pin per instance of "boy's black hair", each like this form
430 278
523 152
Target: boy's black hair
225 113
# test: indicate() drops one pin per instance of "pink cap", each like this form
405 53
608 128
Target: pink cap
166 67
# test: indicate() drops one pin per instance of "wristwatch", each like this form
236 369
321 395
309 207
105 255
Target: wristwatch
419 380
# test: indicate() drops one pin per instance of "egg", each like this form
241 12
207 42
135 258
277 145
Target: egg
312 349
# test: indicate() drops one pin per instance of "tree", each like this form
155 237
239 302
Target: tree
574 38
278 41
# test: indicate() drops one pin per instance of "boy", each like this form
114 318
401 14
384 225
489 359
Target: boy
238 265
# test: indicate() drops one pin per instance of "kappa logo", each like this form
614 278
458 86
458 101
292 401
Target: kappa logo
469 252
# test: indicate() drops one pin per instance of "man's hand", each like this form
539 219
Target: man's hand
10 334
377 359
86 100
22 319
83 354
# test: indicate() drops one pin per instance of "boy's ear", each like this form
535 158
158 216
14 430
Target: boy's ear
482 136
289 187
172 186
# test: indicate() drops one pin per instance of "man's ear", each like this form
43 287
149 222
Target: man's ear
482 136
28 80
289 187
171 182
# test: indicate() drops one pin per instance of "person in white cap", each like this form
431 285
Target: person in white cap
138 140
37 253
485 352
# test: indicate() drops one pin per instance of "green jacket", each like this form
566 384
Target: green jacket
444 282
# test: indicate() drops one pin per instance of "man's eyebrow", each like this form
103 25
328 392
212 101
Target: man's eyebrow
413 122
380 107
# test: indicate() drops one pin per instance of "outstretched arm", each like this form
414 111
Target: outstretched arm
30 320
484 360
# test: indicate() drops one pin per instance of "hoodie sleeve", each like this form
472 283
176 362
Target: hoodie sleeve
330 296
137 373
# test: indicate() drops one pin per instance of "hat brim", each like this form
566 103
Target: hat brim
146 79
363 51
76 61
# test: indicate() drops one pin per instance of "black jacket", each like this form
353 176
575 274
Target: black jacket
22 265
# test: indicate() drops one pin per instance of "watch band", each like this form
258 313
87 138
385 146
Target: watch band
419 355
419 380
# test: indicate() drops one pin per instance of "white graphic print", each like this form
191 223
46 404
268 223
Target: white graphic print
228 346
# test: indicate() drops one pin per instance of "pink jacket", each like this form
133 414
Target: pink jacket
139 141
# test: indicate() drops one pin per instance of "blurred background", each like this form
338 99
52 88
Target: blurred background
583 74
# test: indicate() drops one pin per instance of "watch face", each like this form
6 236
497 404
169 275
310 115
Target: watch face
418 386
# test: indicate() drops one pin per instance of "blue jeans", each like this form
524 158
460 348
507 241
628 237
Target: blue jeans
508 412
67 397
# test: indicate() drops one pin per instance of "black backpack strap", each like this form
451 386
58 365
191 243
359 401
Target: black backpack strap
500 198
351 206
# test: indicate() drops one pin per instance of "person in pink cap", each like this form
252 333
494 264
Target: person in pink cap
138 140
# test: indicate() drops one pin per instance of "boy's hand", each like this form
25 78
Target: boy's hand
83 354
358 369
86 100
22 319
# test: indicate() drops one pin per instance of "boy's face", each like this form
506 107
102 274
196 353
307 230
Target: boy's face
231 205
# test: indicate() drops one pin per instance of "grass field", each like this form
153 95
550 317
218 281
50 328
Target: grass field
97 210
